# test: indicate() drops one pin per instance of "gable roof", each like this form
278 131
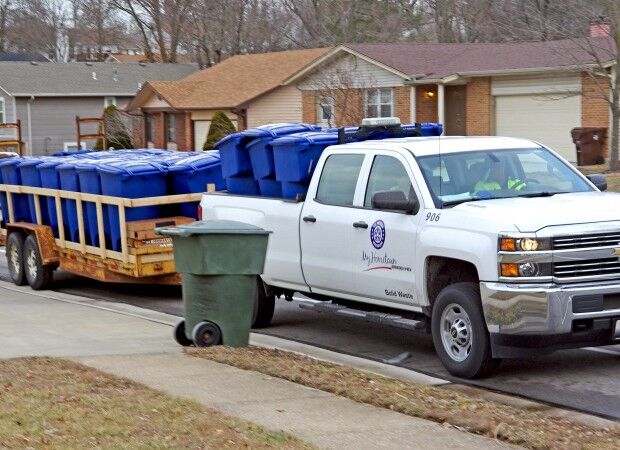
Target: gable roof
231 83
437 61
84 79
22 56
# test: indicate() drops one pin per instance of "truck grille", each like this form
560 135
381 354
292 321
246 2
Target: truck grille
609 239
604 267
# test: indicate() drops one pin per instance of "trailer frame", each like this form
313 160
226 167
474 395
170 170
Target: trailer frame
96 262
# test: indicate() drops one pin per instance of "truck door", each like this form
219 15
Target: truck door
325 227
383 242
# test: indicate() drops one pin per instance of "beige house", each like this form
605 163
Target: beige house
248 88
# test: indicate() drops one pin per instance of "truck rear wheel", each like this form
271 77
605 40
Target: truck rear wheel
39 276
264 306
459 332
15 258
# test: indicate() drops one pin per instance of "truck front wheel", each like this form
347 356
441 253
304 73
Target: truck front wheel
459 332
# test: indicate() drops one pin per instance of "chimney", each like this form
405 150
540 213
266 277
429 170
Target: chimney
600 28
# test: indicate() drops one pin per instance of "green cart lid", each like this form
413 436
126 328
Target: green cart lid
213 227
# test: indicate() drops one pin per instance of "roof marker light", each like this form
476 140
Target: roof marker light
380 121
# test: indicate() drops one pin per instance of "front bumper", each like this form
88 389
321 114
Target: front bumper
523 318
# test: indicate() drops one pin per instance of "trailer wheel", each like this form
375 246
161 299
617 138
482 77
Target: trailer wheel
459 332
179 334
15 258
264 306
206 334
39 276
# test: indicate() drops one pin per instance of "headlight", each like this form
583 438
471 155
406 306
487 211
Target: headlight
525 244
526 270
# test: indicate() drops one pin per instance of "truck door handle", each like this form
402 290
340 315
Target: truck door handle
360 224
310 219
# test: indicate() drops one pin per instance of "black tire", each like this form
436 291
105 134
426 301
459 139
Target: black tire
39 276
462 333
179 334
15 258
264 306
206 334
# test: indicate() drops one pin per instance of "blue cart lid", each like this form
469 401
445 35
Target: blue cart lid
11 161
271 130
308 137
131 167
55 161
32 161
196 162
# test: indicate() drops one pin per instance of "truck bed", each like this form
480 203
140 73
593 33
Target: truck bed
281 217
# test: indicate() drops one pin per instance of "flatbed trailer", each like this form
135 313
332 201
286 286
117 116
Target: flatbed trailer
146 264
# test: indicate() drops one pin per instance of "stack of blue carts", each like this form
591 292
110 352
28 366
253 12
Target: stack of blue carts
119 173
278 160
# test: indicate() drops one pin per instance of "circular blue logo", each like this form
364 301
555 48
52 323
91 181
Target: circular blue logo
377 234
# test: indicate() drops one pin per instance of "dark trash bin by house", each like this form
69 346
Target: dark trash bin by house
219 260
589 145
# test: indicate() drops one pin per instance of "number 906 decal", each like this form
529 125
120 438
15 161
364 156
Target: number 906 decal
433 217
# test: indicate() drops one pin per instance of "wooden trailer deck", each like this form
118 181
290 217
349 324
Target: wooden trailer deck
144 257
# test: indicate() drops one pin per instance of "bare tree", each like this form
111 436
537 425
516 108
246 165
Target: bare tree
160 23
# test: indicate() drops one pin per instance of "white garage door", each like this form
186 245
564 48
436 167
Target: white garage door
546 118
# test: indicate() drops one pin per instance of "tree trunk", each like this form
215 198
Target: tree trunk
614 147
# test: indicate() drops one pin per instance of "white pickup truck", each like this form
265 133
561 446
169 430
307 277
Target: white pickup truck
497 246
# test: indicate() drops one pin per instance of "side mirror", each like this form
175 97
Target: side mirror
598 180
395 201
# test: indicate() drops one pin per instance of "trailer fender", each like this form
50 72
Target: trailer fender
45 239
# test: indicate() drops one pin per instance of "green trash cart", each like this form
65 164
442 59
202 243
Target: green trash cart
220 261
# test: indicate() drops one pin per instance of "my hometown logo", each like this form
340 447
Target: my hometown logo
377 261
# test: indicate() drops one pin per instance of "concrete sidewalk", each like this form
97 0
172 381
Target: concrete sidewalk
122 341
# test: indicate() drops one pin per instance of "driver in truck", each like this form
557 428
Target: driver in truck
494 178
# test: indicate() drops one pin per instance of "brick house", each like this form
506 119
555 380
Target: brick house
536 90
247 88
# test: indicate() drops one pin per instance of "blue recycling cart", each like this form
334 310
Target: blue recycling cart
29 172
131 179
9 174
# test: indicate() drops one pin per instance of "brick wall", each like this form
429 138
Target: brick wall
402 103
594 108
184 132
348 105
426 106
308 107
158 130
478 107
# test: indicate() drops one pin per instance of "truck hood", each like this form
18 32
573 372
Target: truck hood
533 214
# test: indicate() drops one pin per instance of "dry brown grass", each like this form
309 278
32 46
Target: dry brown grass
52 403
530 429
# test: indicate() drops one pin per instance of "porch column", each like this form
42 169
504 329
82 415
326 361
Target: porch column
441 104
412 104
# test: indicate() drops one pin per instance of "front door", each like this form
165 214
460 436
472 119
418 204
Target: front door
455 111
383 242
325 226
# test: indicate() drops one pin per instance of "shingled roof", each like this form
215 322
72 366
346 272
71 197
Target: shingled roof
434 62
84 79
231 83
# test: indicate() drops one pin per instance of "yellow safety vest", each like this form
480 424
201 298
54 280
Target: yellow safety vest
513 183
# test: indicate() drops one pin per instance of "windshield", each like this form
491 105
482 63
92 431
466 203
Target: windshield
460 177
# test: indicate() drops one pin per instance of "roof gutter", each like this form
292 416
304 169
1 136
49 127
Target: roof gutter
456 76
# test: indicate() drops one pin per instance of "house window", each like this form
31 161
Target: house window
326 111
148 127
109 101
2 110
379 102
171 128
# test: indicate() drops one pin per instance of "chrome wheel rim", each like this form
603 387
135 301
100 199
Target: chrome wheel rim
31 264
456 332
14 258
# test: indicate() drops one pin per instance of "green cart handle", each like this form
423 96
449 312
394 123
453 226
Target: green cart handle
173 232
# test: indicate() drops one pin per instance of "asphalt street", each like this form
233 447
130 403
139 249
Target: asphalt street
583 379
